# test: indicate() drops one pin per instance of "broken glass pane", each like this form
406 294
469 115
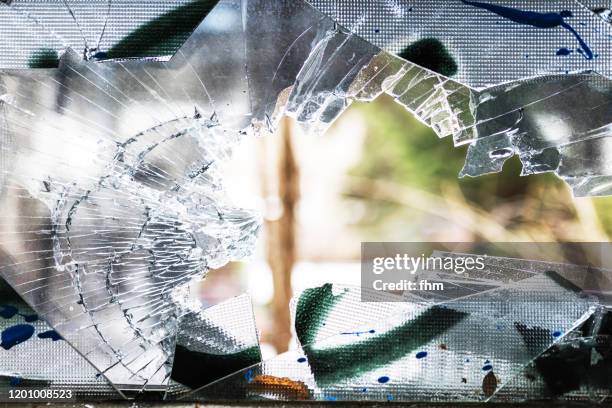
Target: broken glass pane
111 186
406 354
113 197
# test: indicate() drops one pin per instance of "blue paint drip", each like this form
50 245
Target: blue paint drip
7 311
330 398
421 354
50 334
301 360
384 379
535 19
557 334
389 397
584 48
14 335
487 367
248 376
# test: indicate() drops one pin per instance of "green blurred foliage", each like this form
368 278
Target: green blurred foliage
401 149
604 211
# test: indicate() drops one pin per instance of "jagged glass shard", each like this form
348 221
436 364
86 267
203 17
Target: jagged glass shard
35 33
34 356
577 368
415 352
537 120
213 343
482 43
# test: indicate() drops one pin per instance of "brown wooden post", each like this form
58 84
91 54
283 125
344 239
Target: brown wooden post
281 242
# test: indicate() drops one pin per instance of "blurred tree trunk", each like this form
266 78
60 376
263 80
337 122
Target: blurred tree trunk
281 242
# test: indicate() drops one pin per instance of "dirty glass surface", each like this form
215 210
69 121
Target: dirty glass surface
466 348
34 355
483 43
33 34
112 201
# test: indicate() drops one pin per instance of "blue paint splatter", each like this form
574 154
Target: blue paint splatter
364 390
564 51
248 376
487 367
7 311
535 19
50 334
557 334
330 398
389 397
384 379
14 335
359 333
421 354
301 360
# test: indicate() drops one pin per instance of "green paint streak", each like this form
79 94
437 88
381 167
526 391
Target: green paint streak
312 309
164 35
160 37
195 369
332 365
43 58
430 53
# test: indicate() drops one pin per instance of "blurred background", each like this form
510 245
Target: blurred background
377 175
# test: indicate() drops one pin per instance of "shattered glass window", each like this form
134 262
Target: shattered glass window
116 121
